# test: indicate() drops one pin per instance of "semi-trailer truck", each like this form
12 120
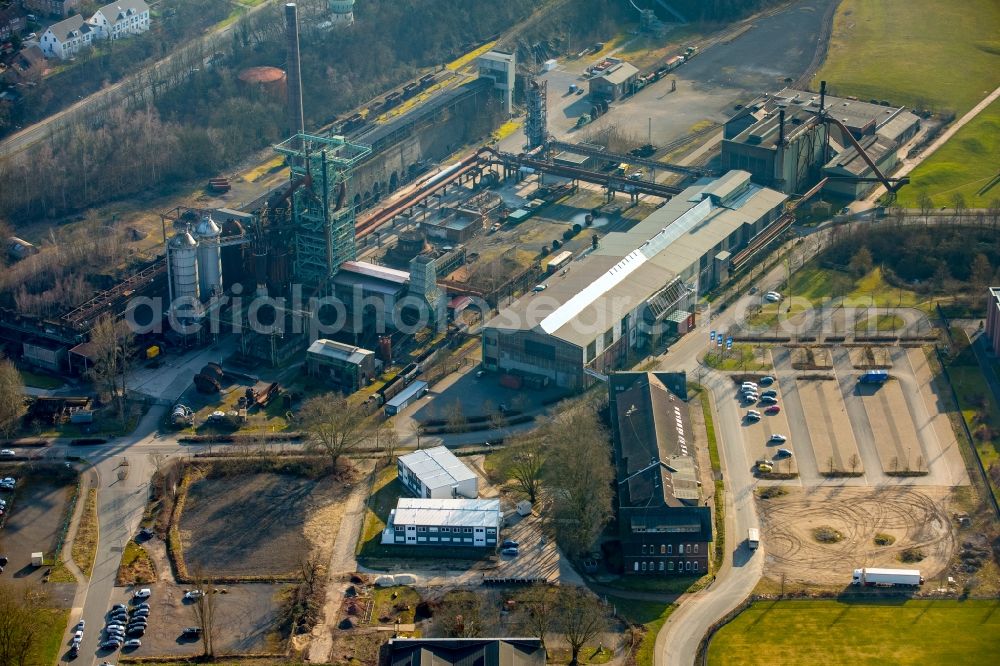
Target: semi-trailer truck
887 577
874 377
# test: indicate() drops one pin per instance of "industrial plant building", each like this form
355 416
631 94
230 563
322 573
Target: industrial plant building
634 290
444 522
781 140
437 473
664 527
615 81
462 652
344 367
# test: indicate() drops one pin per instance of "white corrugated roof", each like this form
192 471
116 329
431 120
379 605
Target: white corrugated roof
339 350
448 512
437 467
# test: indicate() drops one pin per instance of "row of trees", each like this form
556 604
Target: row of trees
567 464
568 612
11 399
19 625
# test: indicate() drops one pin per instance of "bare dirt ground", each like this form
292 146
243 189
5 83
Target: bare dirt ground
915 518
33 522
255 524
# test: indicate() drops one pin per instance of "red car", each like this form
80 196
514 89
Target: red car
773 409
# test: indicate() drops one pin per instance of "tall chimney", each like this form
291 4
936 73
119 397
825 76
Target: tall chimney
296 119
781 127
822 96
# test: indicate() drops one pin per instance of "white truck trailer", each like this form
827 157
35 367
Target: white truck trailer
887 577
753 538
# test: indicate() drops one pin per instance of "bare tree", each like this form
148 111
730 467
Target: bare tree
456 417
958 203
335 427
113 346
854 461
581 617
11 398
525 460
203 608
386 440
580 485
540 604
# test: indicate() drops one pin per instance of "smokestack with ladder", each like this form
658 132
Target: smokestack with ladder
296 118
781 127
822 96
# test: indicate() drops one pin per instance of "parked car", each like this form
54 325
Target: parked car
133 643
776 437
111 644
7 453
767 381
194 594
769 400
753 417
78 635
509 551
772 297
771 393
74 651
141 606
510 543
191 631
750 397
144 593
81 625
119 607
773 409
783 453
136 631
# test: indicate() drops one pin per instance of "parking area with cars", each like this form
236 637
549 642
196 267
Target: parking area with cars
536 558
765 428
245 615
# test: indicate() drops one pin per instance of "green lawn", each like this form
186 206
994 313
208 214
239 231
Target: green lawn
40 381
833 632
649 614
816 284
966 164
385 493
919 53
743 356
972 390
47 649
882 323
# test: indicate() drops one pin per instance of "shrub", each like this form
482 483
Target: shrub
826 534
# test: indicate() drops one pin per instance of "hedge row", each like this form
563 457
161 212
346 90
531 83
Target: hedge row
241 438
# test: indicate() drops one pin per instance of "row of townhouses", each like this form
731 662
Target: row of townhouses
113 21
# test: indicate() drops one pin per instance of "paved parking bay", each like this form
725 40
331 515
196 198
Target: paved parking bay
830 430
946 461
537 559
757 435
895 437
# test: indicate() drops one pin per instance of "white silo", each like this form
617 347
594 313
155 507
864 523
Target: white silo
342 12
209 257
183 251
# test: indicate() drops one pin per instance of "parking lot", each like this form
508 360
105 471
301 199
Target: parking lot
829 427
892 427
757 435
34 516
537 559
245 615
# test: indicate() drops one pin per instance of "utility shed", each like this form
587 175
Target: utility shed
438 474
615 82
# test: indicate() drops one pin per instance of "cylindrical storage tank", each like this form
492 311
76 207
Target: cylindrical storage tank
232 255
183 251
207 234
342 12
269 80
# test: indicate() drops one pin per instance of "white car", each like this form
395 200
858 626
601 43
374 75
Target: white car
7 453
194 594
775 437
144 593
80 625
772 297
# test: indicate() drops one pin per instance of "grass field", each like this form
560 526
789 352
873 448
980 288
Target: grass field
50 624
833 632
881 323
918 53
743 356
649 614
973 392
85 541
817 284
966 164
136 566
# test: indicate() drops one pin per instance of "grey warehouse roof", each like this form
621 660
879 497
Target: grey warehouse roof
447 512
437 467
619 73
339 351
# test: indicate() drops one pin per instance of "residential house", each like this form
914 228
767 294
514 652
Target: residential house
61 8
12 22
27 65
65 38
120 19
664 524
